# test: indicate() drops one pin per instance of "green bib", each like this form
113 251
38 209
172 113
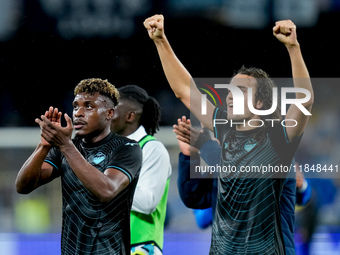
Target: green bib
149 227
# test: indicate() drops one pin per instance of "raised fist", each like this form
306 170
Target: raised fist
285 32
155 27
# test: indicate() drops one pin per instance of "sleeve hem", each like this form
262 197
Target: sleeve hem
51 163
122 170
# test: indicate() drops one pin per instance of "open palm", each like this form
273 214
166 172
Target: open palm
55 117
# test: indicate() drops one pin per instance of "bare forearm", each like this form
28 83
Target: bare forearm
181 82
30 173
299 68
300 72
176 74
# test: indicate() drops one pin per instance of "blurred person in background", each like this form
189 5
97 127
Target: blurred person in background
137 117
99 171
309 217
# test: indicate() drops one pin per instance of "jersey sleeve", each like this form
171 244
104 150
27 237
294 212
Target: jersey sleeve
282 145
54 158
220 123
210 152
128 159
195 193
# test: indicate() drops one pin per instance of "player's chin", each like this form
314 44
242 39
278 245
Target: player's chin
236 118
80 132
230 116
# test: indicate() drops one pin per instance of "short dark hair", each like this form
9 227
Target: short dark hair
103 87
264 94
151 115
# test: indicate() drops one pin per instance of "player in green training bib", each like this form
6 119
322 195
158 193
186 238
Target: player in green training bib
137 116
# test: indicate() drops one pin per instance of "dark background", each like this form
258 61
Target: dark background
48 46
40 65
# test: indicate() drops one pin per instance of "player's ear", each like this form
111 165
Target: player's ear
259 105
109 113
130 116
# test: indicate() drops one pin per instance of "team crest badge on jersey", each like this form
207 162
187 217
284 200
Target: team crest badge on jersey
249 145
99 157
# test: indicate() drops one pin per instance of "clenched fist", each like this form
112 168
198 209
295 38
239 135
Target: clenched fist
155 27
285 32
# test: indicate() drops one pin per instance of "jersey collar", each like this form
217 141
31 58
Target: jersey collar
138 134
